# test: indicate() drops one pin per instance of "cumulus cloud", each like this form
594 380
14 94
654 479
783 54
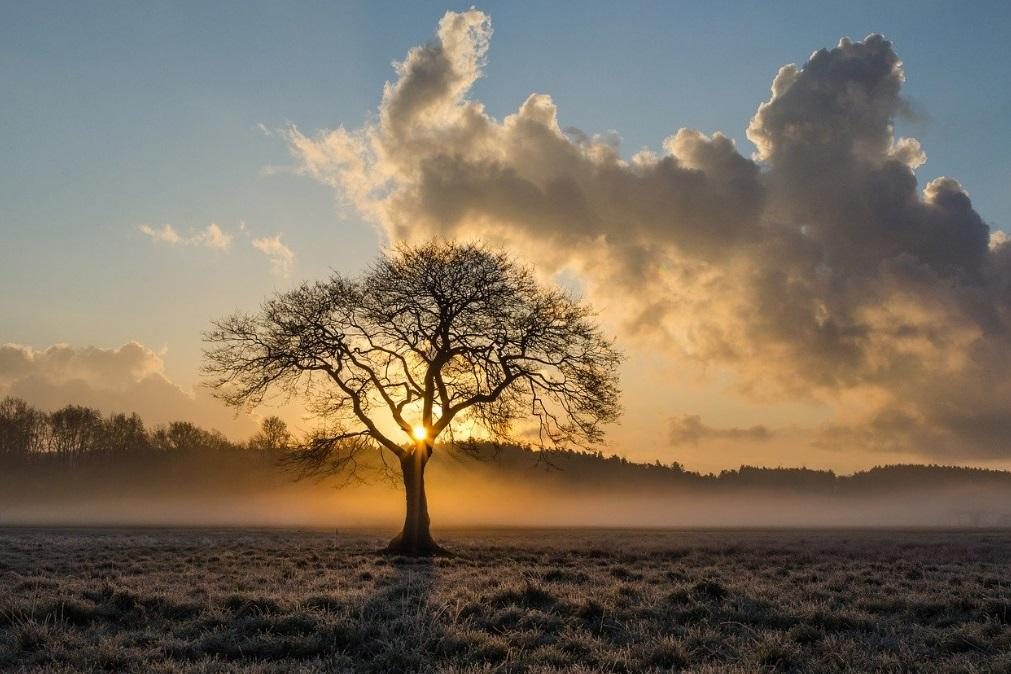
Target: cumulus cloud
282 258
818 268
212 237
127 379
690 429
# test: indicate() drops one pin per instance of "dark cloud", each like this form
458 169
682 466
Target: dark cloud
689 429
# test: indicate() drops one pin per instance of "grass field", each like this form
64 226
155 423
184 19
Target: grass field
511 601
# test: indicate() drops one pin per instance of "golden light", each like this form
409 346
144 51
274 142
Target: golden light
420 433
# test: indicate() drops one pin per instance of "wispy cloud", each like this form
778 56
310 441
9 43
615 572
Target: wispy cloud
282 258
166 234
690 429
212 237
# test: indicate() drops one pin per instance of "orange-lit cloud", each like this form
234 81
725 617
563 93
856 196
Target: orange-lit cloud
127 379
816 270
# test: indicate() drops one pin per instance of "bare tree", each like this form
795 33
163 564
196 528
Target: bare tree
74 431
122 434
273 435
432 339
21 428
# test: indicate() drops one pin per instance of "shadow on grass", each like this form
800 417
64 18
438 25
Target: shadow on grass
400 627
395 628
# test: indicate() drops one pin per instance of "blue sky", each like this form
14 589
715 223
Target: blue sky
118 114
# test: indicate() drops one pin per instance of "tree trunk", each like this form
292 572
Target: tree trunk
416 536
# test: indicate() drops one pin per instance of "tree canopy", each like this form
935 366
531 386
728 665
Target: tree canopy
443 336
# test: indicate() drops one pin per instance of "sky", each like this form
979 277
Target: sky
798 296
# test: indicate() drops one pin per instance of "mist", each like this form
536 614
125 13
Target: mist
474 493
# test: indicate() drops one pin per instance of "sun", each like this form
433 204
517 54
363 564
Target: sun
420 433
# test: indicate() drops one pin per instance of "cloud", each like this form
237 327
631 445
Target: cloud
817 269
282 258
166 234
689 429
109 368
129 378
212 237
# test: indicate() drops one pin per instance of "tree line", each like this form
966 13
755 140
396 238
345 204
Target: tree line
81 436
75 432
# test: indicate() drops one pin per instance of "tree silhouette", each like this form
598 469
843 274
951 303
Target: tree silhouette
272 436
21 428
431 339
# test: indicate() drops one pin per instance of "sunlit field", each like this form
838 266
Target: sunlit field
509 601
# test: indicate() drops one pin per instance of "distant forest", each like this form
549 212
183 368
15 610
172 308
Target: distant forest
79 453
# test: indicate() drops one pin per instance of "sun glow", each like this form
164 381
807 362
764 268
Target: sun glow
419 432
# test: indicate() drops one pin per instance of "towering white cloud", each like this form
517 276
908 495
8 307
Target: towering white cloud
816 269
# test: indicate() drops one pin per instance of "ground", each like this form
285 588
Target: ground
511 601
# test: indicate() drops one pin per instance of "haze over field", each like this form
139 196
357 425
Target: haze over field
113 471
